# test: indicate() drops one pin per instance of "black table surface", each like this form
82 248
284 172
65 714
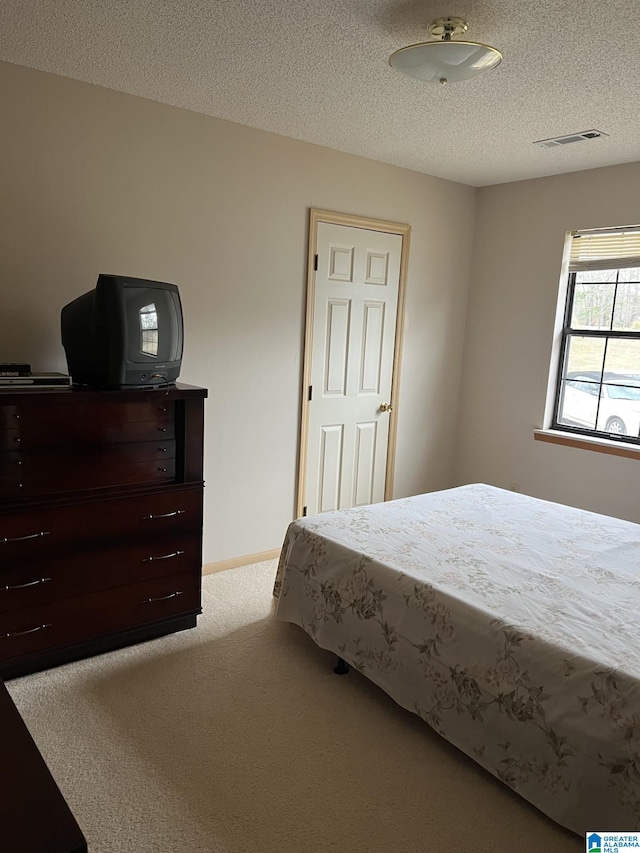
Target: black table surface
34 816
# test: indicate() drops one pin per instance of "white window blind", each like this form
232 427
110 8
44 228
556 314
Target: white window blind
605 250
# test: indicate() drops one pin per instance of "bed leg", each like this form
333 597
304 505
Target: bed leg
342 667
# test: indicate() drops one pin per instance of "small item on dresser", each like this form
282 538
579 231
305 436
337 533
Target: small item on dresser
35 380
14 369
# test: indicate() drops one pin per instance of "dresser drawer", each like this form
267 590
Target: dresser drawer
42 472
30 584
9 414
9 439
11 463
10 484
57 425
113 471
25 536
87 617
82 435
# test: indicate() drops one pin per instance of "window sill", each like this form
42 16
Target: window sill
584 442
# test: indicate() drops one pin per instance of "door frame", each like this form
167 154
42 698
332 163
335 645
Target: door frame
316 216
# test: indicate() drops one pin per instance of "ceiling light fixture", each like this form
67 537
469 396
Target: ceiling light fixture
445 61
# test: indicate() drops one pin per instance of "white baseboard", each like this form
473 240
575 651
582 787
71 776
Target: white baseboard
235 562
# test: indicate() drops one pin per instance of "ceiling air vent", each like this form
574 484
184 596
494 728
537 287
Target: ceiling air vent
556 141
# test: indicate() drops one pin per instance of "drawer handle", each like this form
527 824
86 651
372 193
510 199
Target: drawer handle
164 470
163 597
28 631
162 429
24 585
165 515
30 536
163 449
163 557
17 417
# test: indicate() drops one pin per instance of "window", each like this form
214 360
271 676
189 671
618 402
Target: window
598 388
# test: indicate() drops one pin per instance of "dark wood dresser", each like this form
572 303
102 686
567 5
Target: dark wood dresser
100 520
34 817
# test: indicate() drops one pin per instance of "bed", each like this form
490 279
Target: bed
510 624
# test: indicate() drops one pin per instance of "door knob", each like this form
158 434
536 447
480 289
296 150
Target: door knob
386 407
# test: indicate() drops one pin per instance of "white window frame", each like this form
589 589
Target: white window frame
603 249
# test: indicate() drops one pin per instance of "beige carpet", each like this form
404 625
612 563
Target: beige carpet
236 737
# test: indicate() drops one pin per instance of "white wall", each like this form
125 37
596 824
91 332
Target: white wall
98 181
519 238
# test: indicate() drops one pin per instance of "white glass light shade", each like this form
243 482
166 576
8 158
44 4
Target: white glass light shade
445 61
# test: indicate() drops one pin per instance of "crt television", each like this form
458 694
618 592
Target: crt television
125 333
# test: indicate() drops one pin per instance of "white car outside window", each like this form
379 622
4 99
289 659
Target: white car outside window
616 406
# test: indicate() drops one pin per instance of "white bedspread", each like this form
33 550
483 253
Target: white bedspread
510 624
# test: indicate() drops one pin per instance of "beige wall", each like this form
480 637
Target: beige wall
98 181
514 285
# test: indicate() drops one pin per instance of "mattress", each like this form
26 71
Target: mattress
511 625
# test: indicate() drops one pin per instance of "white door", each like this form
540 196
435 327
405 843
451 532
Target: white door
351 366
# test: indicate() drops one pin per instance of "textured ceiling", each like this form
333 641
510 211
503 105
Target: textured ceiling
317 70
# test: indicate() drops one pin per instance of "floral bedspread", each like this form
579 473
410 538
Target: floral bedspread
510 624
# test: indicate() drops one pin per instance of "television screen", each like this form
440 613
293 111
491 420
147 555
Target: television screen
125 333
152 324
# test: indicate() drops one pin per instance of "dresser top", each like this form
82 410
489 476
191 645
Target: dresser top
76 394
